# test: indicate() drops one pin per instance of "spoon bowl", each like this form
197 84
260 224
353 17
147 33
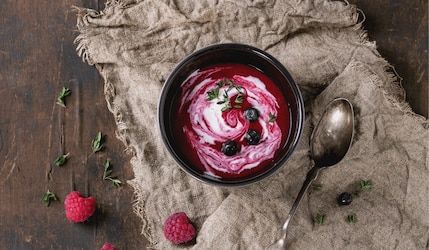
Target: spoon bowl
332 136
329 143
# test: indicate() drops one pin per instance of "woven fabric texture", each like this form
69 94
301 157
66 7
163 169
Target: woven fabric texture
136 44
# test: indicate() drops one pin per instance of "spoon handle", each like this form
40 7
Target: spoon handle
311 176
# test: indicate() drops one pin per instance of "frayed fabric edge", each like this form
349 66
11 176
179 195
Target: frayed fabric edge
397 96
82 50
109 92
82 16
121 134
81 40
138 209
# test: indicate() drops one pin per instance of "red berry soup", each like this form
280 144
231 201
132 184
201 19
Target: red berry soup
232 120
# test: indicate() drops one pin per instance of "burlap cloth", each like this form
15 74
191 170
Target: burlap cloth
135 45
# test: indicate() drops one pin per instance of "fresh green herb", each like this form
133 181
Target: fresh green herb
226 107
231 84
225 95
317 187
107 175
96 144
64 92
319 219
61 160
365 185
351 219
239 99
225 101
213 94
48 196
221 83
272 117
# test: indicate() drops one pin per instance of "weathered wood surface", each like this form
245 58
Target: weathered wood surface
38 58
400 29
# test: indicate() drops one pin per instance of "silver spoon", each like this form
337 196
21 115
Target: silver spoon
329 143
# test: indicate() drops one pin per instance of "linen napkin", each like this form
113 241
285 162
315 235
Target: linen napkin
136 44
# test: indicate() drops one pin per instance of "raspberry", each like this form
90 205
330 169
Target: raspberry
178 229
78 208
108 246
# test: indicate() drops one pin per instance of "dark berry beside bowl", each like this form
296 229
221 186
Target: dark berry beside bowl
251 114
252 137
344 199
229 148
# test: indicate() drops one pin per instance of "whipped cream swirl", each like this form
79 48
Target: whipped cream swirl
209 126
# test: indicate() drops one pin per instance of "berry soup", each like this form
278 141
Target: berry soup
231 120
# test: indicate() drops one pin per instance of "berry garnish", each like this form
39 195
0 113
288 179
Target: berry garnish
251 114
78 208
344 198
108 246
252 137
178 229
229 148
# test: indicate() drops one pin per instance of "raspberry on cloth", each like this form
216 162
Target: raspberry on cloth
136 44
178 229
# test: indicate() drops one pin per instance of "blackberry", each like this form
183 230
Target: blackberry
252 137
251 114
229 148
344 199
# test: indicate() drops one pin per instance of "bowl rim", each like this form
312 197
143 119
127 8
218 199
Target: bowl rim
295 136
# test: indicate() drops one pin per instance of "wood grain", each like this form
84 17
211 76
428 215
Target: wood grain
400 29
37 59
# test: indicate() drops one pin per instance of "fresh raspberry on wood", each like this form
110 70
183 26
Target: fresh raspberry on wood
108 246
78 208
178 229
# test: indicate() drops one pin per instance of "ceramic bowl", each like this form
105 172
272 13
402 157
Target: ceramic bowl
185 150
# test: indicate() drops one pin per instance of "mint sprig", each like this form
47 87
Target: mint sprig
317 187
63 93
48 196
351 219
365 185
60 160
213 94
107 175
272 118
225 99
96 143
319 219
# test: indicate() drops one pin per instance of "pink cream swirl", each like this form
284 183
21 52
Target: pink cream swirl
210 126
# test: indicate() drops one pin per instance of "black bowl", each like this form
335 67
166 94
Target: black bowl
230 53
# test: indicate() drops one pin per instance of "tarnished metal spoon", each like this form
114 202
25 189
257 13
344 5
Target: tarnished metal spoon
329 143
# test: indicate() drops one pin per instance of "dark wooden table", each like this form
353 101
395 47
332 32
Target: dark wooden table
38 58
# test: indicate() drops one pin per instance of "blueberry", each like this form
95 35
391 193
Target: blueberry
252 137
344 198
229 148
251 114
